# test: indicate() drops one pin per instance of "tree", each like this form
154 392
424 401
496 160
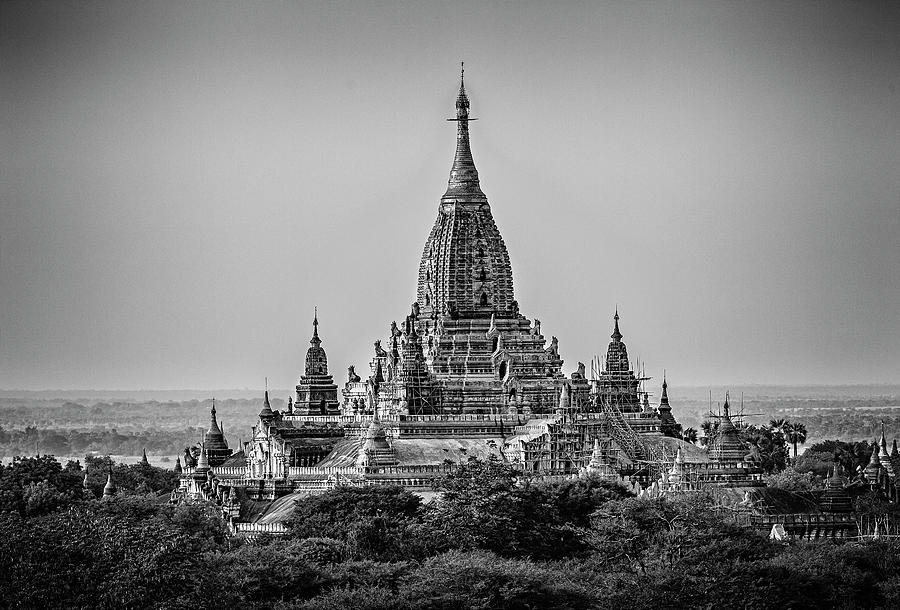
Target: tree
852 456
484 507
126 553
43 480
481 580
773 452
817 462
333 513
795 433
790 479
710 429
689 435
135 478
575 500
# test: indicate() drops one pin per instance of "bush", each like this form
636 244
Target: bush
790 479
332 513
482 580
320 550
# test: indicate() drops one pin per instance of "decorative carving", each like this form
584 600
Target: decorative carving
352 377
579 374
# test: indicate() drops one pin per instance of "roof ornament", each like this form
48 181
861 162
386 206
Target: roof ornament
315 336
266 412
463 183
616 335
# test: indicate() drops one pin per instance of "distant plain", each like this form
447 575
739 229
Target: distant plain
124 423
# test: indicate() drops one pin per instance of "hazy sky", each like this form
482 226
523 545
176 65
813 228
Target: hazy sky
181 183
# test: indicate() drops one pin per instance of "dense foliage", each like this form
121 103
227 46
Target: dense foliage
489 541
33 486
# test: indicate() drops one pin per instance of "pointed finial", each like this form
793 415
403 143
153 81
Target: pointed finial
315 336
616 335
463 183
266 413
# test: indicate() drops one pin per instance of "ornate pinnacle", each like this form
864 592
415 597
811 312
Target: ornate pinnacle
616 335
315 336
463 175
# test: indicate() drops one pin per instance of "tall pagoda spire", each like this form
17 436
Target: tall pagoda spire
266 414
616 335
617 353
463 182
213 424
214 440
315 336
668 425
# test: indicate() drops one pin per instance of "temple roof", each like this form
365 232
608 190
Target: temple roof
266 414
202 465
316 360
238 459
214 438
664 399
617 352
727 444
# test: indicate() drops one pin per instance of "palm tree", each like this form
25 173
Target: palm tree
777 425
795 434
709 430
689 435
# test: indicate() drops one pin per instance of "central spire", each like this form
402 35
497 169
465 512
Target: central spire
463 182
315 336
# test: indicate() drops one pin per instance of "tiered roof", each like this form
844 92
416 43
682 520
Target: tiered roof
836 498
727 445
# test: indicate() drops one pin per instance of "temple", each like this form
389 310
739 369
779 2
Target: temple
463 374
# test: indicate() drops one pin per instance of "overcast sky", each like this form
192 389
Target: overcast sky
183 182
